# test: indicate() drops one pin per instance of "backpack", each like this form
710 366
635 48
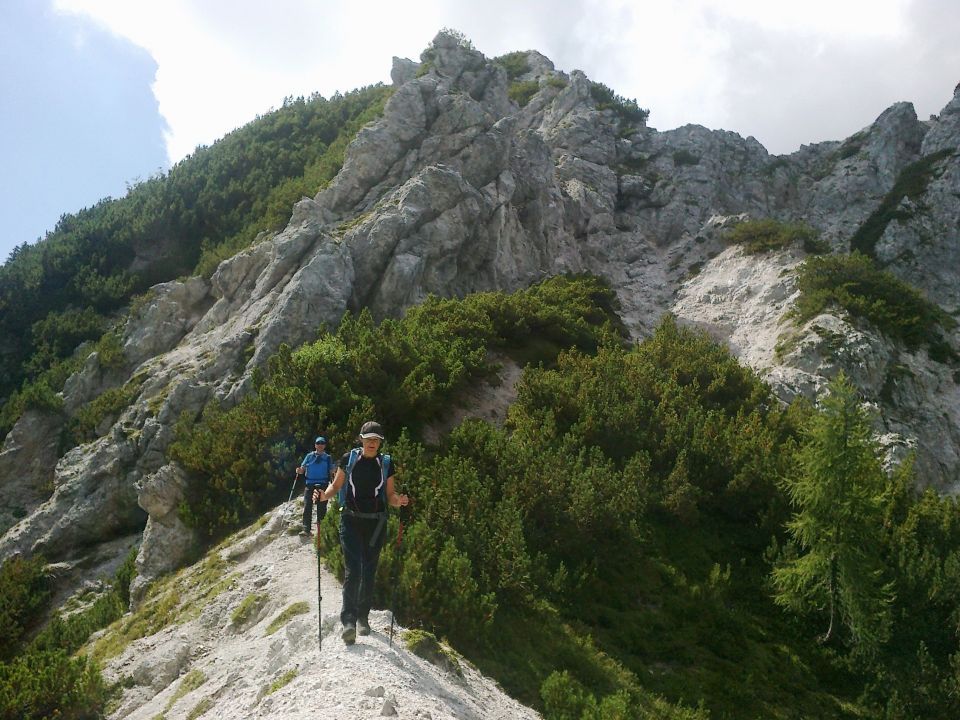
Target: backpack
316 458
355 455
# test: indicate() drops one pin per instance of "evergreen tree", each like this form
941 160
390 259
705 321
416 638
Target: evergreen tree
838 496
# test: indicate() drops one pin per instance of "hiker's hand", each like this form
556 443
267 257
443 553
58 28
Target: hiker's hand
300 470
318 496
403 500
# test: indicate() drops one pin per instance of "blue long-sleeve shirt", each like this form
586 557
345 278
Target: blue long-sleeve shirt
318 468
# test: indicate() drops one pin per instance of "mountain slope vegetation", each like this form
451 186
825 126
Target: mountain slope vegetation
67 288
606 553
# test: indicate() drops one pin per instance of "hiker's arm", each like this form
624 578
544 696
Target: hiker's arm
393 498
332 488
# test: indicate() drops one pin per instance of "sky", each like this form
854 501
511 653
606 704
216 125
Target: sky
96 95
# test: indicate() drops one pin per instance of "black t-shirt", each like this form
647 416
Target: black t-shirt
362 488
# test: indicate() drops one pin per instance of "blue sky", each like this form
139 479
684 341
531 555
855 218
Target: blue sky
79 119
99 93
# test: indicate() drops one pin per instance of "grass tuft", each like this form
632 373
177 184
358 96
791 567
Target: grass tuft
298 608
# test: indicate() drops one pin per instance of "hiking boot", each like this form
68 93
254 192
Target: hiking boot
305 531
349 633
363 627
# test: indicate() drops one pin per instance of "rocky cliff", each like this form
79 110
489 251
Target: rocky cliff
459 188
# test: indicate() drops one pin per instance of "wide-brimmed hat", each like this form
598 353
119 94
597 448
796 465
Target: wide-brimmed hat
371 430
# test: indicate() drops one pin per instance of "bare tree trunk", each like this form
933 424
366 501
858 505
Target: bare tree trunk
833 591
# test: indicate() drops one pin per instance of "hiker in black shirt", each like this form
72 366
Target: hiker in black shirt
367 479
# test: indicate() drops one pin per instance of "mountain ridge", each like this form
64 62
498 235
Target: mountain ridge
445 196
249 646
458 189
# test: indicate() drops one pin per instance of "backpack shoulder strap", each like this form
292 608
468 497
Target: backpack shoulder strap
355 454
384 474
352 460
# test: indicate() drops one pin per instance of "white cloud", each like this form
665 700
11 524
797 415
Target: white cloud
220 64
784 72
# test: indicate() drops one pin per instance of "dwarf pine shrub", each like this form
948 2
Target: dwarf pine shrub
759 236
855 283
522 91
515 63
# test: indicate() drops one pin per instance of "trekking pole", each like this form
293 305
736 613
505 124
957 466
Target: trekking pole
319 590
293 487
396 576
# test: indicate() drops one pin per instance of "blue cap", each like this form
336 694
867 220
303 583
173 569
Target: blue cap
320 439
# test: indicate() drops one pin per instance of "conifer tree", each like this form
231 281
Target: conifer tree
838 497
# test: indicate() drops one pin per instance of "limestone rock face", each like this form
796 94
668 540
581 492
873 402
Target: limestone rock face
456 189
403 71
743 300
93 499
27 459
167 542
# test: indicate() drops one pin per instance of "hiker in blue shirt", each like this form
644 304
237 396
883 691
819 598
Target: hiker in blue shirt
365 480
318 468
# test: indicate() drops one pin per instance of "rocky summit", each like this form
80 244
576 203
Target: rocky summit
481 178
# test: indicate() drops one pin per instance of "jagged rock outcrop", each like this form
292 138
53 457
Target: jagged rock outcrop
27 460
457 188
167 542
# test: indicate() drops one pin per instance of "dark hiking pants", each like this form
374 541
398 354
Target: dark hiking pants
360 560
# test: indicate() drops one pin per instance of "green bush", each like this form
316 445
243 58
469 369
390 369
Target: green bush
855 284
109 404
109 349
56 335
41 393
522 91
564 698
515 63
685 157
24 589
758 236
627 110
51 685
404 372
41 680
69 633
